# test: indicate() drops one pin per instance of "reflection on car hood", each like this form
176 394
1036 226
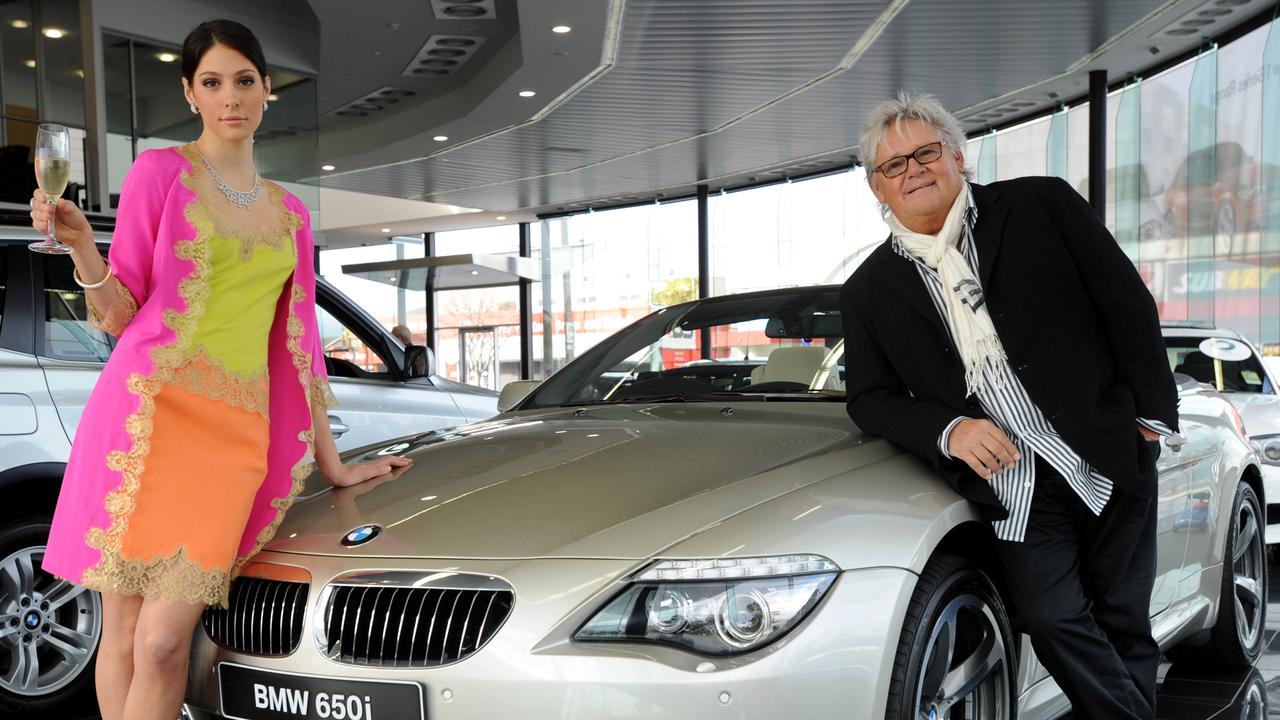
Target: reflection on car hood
615 481
1261 413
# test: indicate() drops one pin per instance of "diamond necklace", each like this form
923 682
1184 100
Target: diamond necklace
235 197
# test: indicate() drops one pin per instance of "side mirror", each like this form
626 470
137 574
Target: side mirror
515 391
419 361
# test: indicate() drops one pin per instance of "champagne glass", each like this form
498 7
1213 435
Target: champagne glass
53 166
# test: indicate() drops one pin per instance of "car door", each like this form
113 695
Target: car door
30 432
71 352
1205 425
1172 515
375 401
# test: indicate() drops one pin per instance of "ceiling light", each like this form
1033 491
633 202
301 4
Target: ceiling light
273 97
527 93
54 33
561 29
501 217
20 24
30 63
166 57
327 168
475 272
440 138
386 230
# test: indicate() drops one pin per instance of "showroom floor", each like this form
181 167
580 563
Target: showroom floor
1250 694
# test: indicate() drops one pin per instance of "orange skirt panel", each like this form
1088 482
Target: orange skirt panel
197 488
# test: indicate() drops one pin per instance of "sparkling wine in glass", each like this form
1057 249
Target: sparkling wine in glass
53 166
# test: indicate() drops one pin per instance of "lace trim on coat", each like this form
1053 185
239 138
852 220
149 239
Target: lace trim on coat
120 314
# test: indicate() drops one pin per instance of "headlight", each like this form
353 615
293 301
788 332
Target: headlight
1268 448
724 606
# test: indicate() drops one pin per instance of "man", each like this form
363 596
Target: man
405 336
1001 334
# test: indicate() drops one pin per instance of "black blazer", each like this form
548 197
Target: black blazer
1079 327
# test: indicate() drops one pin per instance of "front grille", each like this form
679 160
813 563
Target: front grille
263 617
410 626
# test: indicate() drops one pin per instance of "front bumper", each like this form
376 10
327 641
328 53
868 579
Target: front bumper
837 662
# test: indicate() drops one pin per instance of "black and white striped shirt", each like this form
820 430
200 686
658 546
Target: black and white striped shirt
1007 404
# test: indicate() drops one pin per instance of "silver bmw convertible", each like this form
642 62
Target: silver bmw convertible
662 532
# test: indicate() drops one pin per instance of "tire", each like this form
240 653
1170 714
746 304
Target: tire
1237 636
953 597
59 623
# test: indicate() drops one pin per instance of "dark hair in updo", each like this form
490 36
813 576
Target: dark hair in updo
220 32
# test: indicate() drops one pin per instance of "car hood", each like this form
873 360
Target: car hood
615 481
1261 413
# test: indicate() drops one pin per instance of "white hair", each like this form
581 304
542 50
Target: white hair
908 106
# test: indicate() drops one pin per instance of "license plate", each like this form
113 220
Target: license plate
249 693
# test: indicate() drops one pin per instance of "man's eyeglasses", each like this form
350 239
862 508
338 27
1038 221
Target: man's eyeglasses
924 155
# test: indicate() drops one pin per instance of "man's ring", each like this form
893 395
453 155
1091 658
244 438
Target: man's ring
33 203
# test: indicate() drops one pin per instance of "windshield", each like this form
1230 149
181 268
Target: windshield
774 346
1245 375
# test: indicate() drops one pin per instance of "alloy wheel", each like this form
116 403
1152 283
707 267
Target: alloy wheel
1248 566
965 673
49 628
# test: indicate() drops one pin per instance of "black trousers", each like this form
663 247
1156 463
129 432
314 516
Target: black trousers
1080 586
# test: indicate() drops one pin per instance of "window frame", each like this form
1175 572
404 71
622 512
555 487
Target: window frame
17 315
332 301
40 309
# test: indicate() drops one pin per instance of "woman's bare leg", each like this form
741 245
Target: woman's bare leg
113 670
161 653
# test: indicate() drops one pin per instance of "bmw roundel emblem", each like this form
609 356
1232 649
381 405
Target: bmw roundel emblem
361 535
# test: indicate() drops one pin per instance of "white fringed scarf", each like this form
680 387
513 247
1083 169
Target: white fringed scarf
971 328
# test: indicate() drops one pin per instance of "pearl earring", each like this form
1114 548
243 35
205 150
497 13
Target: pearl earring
194 111
264 106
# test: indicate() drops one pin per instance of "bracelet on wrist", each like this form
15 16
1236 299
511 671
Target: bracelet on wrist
75 275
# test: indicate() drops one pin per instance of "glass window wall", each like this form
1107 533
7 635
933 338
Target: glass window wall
789 234
478 330
603 270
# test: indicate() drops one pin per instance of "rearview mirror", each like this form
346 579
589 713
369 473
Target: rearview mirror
515 391
419 361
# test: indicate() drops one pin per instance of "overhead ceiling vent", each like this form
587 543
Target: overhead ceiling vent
442 55
1203 19
1005 111
463 9
380 99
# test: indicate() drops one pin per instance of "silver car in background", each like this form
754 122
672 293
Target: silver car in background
50 358
644 537
1220 355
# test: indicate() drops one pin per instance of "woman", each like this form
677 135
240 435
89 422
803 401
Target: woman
196 438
